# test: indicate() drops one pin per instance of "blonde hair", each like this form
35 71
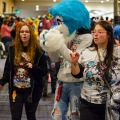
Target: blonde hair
31 48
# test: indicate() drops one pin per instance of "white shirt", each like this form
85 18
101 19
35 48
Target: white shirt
94 90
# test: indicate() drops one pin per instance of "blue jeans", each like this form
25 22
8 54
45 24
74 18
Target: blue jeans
70 96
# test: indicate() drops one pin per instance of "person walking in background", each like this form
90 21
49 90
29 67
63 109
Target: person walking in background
24 70
99 64
116 32
11 23
6 33
93 21
53 68
1 20
18 22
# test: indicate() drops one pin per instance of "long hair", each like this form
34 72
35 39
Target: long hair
31 48
110 46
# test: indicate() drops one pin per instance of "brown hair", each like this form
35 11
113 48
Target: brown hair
5 21
31 48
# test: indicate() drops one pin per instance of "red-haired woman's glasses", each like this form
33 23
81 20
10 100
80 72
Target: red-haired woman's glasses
26 31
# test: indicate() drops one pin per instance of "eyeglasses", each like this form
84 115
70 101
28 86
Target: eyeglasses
27 31
98 32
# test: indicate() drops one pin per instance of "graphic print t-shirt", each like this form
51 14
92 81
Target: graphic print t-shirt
94 89
21 78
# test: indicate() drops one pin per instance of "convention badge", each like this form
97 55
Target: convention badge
67 67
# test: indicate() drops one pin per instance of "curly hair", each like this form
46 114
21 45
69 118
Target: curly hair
31 48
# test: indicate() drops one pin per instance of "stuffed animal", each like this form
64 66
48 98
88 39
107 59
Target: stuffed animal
70 15
34 23
69 35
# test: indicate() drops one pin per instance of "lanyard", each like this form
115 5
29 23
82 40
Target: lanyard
102 67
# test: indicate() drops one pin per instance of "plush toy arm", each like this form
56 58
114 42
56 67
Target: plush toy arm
86 40
64 51
51 40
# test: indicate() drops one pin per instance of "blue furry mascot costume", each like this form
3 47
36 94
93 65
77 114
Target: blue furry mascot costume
71 34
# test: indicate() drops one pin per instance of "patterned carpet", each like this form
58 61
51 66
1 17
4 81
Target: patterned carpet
44 108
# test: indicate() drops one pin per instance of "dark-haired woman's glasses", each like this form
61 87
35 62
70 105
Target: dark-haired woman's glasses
97 32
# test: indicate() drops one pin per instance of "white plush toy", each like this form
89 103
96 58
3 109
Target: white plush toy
70 15
71 34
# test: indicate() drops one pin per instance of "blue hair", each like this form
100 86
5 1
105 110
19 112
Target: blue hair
116 31
74 14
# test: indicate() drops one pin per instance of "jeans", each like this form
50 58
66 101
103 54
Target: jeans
70 95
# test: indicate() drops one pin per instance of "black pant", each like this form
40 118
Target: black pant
17 106
90 111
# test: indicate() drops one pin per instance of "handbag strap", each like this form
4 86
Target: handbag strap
104 79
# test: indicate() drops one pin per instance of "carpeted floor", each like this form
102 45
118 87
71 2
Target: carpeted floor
44 108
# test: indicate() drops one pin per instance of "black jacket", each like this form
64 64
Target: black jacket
37 73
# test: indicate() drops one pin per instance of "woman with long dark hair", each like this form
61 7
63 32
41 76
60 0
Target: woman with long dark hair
99 64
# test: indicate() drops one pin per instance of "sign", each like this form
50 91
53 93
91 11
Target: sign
17 11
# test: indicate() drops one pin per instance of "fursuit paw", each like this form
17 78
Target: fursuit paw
51 40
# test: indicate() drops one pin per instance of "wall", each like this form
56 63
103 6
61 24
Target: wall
9 5
28 13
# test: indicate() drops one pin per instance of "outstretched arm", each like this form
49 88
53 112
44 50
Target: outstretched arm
75 69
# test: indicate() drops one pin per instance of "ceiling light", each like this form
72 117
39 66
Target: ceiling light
54 0
37 9
22 0
37 6
86 1
102 1
107 0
